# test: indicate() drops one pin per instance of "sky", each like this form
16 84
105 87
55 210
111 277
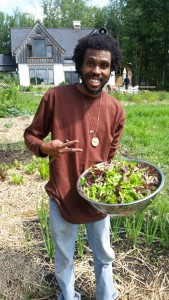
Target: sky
33 6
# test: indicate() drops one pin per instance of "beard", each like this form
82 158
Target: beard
94 92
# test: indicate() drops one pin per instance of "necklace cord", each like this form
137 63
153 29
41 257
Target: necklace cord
98 116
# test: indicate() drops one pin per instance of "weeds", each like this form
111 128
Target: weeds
81 240
45 228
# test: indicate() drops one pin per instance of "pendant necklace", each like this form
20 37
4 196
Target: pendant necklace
95 140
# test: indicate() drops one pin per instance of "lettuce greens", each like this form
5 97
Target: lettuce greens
119 182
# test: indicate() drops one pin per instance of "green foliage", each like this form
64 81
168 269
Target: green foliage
31 167
81 240
7 21
63 83
120 182
60 14
26 88
43 168
8 100
133 226
14 103
8 79
141 97
17 178
146 132
43 214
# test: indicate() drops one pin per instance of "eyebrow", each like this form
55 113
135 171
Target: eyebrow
102 60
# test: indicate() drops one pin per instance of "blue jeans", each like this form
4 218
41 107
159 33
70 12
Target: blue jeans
64 235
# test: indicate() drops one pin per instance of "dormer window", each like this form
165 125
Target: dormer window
39 49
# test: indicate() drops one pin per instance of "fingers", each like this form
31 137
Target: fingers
68 143
66 147
63 148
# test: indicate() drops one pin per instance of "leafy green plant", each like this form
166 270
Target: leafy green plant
17 165
43 168
31 167
17 178
119 182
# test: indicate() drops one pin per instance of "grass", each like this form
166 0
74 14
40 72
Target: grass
146 132
146 137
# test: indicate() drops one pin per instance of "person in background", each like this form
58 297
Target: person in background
126 82
86 125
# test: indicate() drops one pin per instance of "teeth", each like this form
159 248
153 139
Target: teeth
95 80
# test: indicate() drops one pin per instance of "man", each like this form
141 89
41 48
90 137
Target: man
126 82
86 124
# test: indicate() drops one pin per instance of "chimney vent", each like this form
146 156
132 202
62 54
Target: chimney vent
77 25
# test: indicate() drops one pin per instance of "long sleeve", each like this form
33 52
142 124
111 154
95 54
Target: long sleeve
119 126
40 126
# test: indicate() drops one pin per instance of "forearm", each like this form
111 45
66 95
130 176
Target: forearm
33 143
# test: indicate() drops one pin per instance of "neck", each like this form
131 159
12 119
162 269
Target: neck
82 89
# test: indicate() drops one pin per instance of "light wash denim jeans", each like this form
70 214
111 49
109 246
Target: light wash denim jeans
64 235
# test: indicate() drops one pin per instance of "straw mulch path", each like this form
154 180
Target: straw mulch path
25 270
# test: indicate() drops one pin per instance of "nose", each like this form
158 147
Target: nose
96 70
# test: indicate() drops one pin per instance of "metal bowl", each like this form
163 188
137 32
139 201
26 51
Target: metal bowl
124 209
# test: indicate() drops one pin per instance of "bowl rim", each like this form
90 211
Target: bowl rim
127 203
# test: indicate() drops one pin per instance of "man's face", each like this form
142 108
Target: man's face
96 69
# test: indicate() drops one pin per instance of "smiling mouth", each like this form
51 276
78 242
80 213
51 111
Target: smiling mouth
95 81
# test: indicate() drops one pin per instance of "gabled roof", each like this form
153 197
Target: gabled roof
65 38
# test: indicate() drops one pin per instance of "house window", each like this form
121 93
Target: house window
39 49
41 75
71 77
68 62
30 50
49 51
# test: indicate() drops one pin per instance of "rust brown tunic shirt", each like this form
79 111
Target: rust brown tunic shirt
62 112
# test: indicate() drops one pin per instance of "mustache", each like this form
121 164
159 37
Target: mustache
94 76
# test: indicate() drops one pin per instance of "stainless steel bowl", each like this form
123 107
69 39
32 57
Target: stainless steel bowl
124 209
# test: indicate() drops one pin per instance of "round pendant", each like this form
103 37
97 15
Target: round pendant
95 141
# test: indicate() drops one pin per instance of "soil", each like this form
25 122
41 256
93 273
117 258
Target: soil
141 272
11 140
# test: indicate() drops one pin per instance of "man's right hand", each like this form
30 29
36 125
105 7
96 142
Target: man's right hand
57 148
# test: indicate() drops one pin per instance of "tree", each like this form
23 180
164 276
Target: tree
146 26
62 13
18 19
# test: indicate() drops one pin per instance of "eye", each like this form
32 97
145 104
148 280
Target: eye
104 65
90 64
